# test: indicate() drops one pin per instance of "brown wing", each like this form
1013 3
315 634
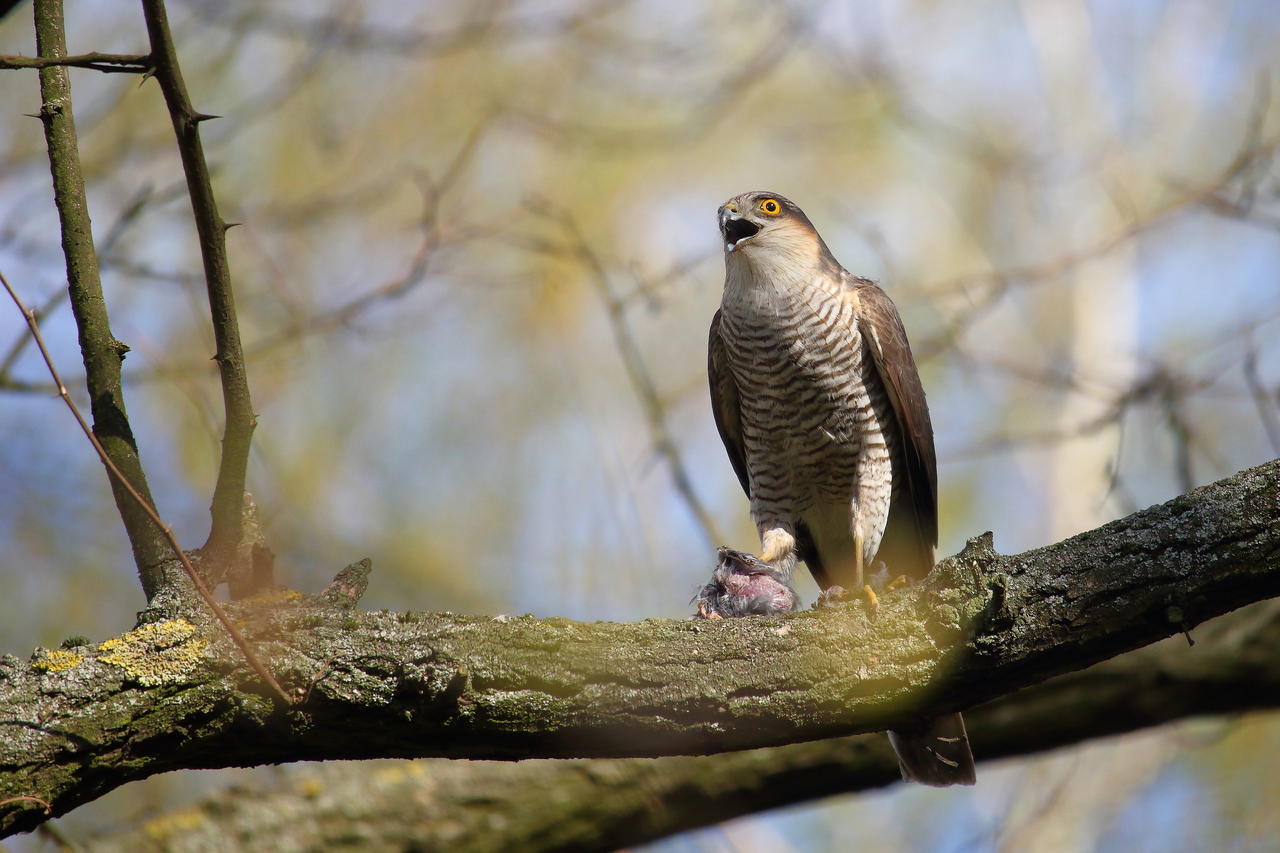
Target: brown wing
912 530
724 404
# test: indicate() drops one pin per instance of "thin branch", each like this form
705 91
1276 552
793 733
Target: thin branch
228 494
145 505
1268 402
101 352
993 286
8 801
132 210
19 345
637 370
487 26
118 63
693 119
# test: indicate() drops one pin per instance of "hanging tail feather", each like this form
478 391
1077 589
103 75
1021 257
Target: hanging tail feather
935 753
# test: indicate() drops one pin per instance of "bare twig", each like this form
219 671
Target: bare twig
144 504
132 210
1268 403
637 371
48 809
486 25
228 494
1182 435
118 63
19 344
101 352
992 287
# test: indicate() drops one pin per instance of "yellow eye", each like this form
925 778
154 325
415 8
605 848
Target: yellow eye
771 206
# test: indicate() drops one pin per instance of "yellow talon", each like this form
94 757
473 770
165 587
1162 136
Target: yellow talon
873 601
900 580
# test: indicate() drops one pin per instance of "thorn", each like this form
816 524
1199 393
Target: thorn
199 117
227 226
1187 634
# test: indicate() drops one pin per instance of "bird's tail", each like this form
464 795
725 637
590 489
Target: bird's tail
935 753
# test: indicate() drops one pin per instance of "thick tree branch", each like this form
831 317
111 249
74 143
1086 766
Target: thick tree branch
228 494
605 804
101 352
79 722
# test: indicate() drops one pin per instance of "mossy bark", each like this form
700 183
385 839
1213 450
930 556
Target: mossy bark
377 685
610 804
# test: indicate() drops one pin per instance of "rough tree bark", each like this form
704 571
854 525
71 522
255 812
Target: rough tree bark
604 804
80 721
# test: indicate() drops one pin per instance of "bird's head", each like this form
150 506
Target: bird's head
764 228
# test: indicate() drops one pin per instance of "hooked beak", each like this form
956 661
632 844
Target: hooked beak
735 229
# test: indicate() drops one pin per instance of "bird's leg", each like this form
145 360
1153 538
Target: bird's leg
859 575
778 549
857 561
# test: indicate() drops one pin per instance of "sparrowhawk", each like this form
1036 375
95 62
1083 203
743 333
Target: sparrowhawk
819 404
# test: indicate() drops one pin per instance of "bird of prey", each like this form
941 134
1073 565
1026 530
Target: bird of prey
819 404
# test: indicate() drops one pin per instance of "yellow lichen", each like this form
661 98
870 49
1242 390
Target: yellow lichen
174 823
310 788
58 660
399 772
158 653
274 596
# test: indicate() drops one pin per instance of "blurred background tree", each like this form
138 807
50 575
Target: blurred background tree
476 262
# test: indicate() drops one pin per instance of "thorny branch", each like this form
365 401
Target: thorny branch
101 352
228 494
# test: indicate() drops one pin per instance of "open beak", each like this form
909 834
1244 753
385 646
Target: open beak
735 229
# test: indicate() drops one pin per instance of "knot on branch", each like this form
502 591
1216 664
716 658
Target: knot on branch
978 547
973 582
349 585
968 570
253 570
